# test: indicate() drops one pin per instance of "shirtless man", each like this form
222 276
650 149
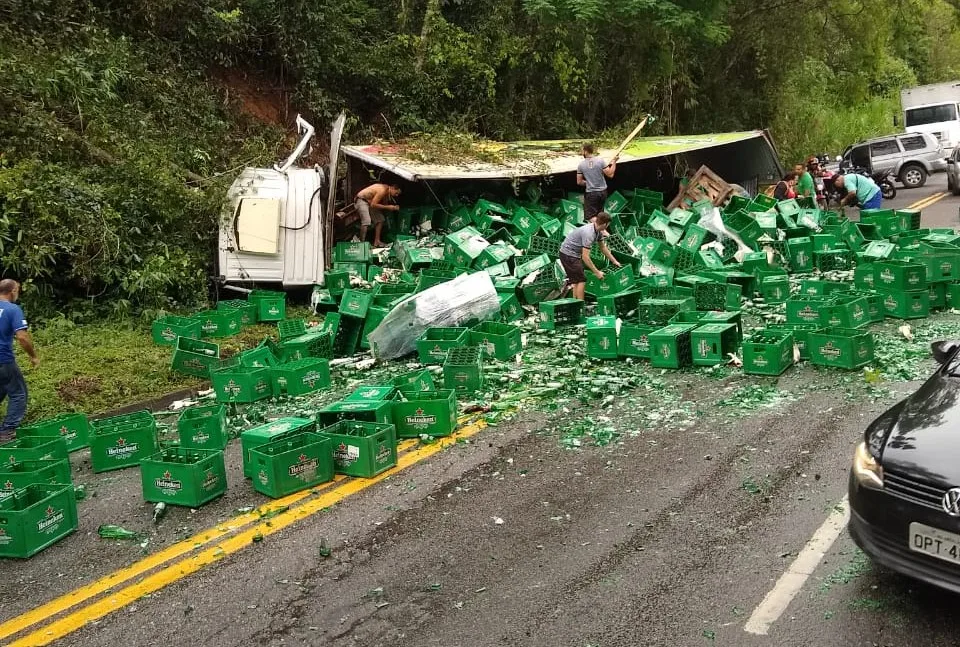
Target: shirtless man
370 204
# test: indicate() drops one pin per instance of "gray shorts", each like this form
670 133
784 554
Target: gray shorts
368 215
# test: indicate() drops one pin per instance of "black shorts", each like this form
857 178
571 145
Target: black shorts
593 202
573 266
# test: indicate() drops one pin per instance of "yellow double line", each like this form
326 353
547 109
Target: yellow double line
232 542
928 201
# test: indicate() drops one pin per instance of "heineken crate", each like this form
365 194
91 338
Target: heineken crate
498 340
493 255
301 376
263 434
938 296
459 219
899 275
203 427
717 296
219 323
906 305
336 281
375 316
807 309
361 448
660 252
364 411
908 219
290 328
634 340
241 384
463 247
122 441
414 382
500 269
846 311
753 261
348 336
953 296
355 303
775 289
462 369
823 288
510 308
878 250
800 254
695 237
620 304
615 203
433 413
834 259
528 265
35 518
800 334
372 393
541 289
73 428
291 463
183 476
561 313
33 448
863 276
271 305
248 311
259 357
431 277
701 318
711 343
433 344
768 352
165 330
670 346
659 311
744 226
841 347
942 261
874 304
602 337
352 252
318 343
16 476
613 281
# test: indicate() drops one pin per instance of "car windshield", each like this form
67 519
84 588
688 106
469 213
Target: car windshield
931 114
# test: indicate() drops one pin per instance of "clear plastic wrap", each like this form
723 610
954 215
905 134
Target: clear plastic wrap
467 297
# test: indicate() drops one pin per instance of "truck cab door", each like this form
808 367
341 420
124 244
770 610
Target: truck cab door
336 135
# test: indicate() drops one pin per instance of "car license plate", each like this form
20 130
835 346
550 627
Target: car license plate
935 542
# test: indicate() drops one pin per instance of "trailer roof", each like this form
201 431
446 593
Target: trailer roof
527 159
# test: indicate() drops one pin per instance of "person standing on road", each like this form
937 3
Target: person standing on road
805 185
592 173
12 385
371 202
859 189
575 252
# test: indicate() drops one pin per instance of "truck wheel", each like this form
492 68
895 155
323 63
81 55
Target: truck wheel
913 176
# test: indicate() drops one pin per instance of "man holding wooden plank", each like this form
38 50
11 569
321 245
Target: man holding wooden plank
592 173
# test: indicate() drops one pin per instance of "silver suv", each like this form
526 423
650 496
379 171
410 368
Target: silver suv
910 157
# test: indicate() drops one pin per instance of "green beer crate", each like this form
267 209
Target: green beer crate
807 309
241 384
165 330
670 346
33 448
841 347
821 288
375 316
717 296
317 343
291 463
259 357
878 250
620 304
203 427
195 357
899 275
122 441
463 247
635 340
352 252
602 337
540 289
348 336
433 344
834 259
775 289
907 305
361 448
768 352
290 328
301 376
510 308
660 311
938 296
561 313
271 305
463 370
379 411
711 343
863 276
219 323
846 311
493 255
433 413
35 518
372 393
527 265
874 305
414 382
73 428
800 334
498 340
431 277
182 476
800 254
336 281
908 219
953 296
16 476
355 303
613 281
248 311
263 434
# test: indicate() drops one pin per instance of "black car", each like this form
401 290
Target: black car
905 480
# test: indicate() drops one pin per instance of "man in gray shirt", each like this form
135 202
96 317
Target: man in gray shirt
592 173
575 252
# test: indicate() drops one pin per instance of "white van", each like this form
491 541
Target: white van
933 109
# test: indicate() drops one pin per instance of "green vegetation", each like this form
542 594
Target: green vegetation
120 121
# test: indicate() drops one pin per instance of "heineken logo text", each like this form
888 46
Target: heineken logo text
51 522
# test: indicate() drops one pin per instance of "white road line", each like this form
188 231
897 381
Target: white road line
791 582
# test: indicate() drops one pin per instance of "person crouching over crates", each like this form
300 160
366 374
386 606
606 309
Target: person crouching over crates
371 202
575 253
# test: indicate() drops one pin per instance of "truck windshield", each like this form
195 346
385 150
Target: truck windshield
931 114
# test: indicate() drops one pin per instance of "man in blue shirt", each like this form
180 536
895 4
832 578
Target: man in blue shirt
592 173
12 385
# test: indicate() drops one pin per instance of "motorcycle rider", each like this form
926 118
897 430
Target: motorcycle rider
818 175
858 189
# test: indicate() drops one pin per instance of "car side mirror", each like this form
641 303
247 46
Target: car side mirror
943 350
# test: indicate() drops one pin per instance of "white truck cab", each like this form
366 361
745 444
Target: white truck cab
933 109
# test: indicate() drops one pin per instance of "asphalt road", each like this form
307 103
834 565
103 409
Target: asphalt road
671 536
